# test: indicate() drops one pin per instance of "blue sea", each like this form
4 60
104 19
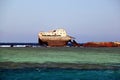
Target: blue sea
58 74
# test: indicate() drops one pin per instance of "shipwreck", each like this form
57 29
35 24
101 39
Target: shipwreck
56 38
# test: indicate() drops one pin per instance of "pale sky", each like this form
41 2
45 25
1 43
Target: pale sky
86 20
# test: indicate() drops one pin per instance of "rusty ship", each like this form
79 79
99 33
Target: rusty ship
53 38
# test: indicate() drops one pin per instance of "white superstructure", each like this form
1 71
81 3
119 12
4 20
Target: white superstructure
57 32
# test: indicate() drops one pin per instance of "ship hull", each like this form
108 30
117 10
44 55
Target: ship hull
54 43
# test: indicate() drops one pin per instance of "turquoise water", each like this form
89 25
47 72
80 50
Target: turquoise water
60 55
58 74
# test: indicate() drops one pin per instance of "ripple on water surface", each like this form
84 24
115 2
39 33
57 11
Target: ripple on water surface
58 74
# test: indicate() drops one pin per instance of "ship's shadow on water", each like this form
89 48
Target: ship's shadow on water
58 74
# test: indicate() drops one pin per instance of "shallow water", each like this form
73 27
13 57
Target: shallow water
61 55
58 74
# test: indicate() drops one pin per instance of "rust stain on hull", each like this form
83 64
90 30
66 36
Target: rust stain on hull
57 43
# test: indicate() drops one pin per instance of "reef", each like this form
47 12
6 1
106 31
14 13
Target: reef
87 66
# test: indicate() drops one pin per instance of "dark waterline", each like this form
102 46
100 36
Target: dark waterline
58 74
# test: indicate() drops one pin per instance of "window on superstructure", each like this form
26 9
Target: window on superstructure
54 30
